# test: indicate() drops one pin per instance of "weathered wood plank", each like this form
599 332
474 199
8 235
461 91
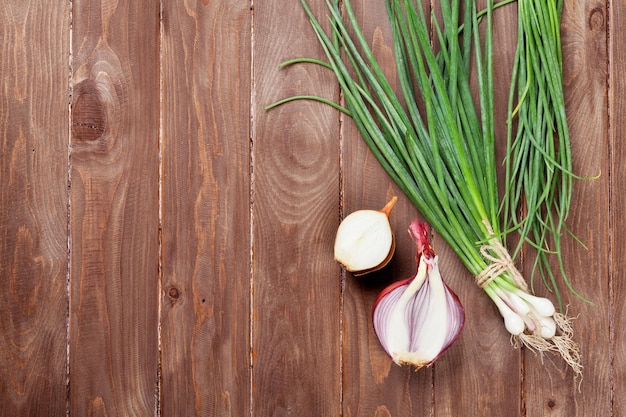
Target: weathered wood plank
206 197
551 388
114 222
34 48
314 351
372 383
617 190
296 288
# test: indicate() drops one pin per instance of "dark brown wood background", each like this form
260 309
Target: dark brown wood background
166 244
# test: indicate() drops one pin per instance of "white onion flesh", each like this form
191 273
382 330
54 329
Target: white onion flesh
364 240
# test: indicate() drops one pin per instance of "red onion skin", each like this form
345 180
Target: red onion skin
390 288
420 234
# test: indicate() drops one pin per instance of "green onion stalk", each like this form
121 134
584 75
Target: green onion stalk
538 162
441 156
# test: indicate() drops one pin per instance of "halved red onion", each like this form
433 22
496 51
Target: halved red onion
418 318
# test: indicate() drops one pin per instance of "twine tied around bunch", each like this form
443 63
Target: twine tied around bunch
500 263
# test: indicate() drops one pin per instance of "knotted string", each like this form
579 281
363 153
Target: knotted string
500 263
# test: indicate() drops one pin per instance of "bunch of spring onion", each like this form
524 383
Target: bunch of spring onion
442 157
538 162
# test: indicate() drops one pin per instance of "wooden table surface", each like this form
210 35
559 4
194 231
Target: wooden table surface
166 243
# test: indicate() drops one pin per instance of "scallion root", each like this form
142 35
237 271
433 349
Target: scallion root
562 343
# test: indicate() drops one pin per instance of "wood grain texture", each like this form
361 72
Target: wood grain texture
219 295
206 200
617 196
296 284
114 222
34 46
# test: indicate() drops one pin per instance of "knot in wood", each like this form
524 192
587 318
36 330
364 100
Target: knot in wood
173 293
596 19
88 113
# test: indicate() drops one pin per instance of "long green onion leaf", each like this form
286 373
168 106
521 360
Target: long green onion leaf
538 161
